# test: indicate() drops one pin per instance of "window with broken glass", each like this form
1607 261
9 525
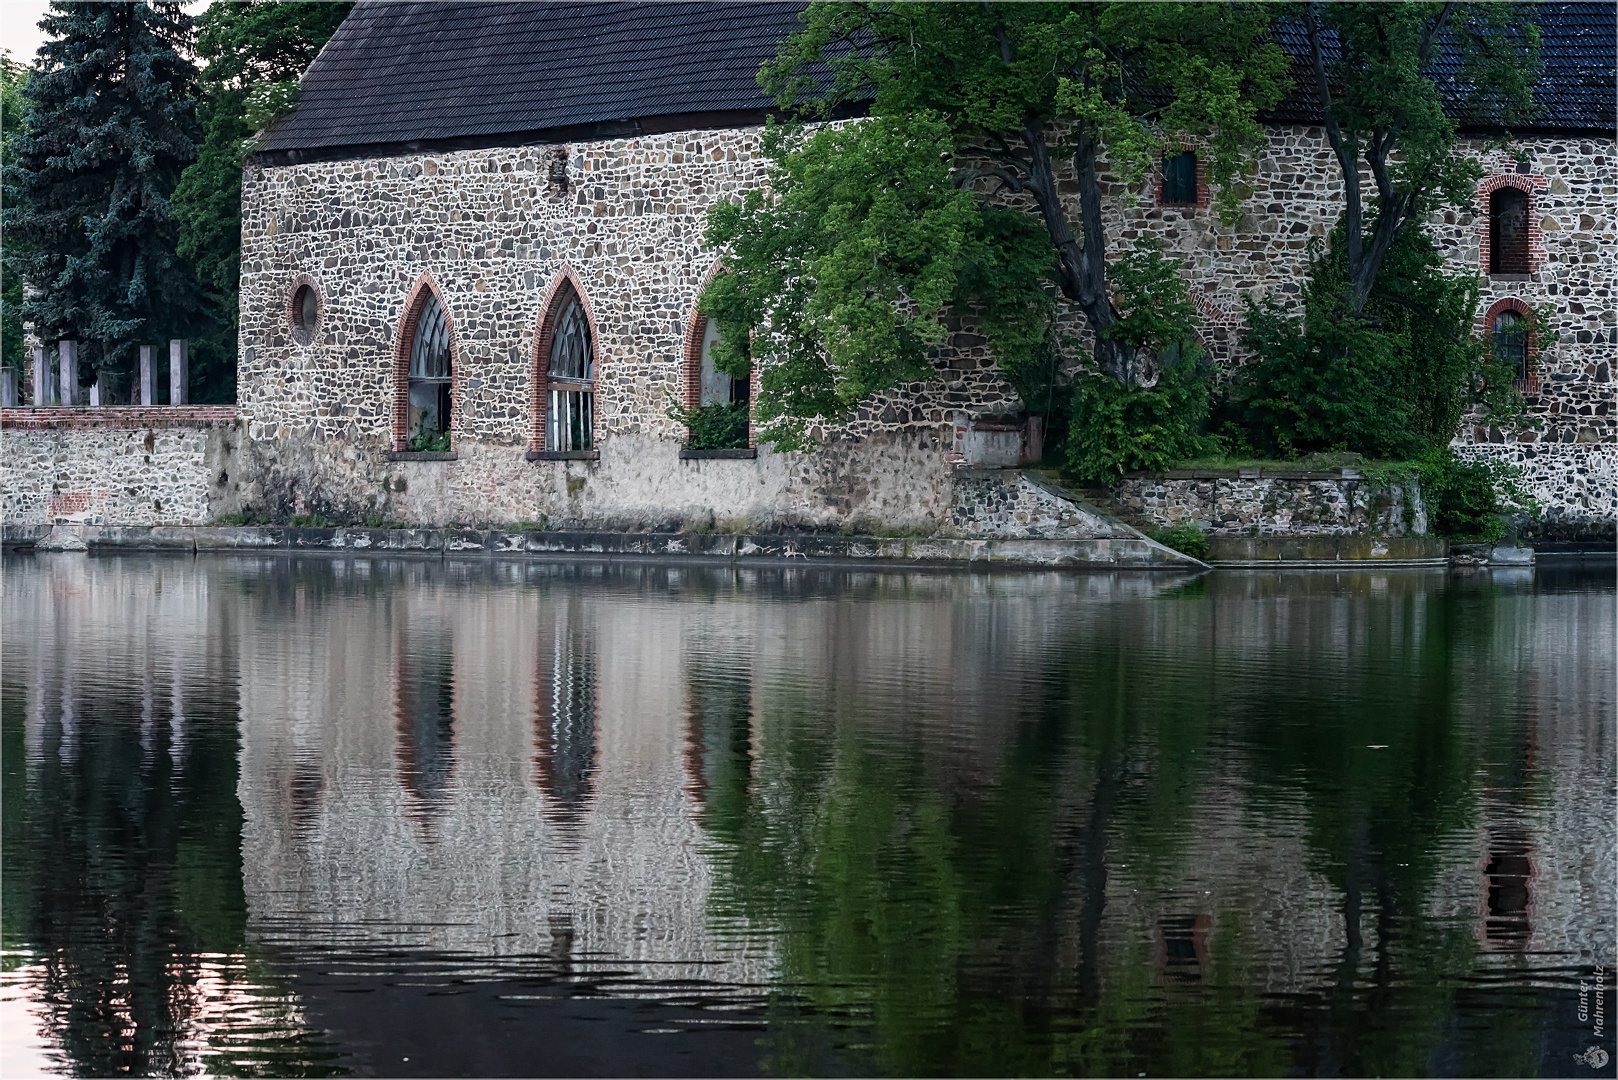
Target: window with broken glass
570 412
1510 335
431 380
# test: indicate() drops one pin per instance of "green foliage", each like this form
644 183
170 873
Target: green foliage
310 521
1379 91
874 236
12 350
841 272
268 101
1472 500
426 440
1388 383
1117 429
246 46
713 427
107 125
1186 538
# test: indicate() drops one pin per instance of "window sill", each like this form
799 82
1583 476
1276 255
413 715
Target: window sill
700 455
423 455
1511 277
563 455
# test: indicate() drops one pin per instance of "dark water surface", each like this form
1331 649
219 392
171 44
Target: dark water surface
296 817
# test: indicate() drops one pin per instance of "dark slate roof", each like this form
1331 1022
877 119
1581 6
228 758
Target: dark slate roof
427 72
1575 94
400 75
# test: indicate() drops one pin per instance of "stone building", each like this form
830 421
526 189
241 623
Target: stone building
471 258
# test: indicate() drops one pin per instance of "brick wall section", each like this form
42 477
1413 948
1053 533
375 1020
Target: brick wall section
119 417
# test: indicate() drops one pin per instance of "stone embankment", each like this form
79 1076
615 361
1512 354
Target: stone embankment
1107 553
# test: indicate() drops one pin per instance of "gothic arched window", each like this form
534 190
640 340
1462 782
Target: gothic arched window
570 379
431 380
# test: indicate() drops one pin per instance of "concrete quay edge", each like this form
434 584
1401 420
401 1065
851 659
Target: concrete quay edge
1125 552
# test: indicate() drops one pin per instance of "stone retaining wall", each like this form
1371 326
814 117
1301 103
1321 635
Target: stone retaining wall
1576 483
1007 503
159 465
1279 503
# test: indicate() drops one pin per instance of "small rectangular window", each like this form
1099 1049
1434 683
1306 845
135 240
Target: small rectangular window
1180 178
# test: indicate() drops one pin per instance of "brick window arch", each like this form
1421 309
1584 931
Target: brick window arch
565 373
1180 176
425 359
1507 327
1510 242
702 384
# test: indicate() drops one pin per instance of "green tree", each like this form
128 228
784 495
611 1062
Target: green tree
12 352
247 46
107 127
1378 79
952 198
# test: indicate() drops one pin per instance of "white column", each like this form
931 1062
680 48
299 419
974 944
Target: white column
8 388
179 370
42 377
95 391
148 377
68 351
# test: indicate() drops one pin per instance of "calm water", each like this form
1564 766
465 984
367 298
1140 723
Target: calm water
315 817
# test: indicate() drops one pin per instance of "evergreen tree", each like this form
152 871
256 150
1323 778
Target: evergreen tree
246 46
12 351
107 127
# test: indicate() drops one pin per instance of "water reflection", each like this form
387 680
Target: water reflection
285 816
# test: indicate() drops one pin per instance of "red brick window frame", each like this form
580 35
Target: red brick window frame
415 303
303 295
564 288
1529 383
691 365
1170 150
1530 186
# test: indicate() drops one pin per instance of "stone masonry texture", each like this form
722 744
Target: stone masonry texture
492 236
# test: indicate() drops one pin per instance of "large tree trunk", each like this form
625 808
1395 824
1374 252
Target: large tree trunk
1081 266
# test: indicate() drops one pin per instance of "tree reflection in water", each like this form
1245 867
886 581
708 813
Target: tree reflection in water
1047 919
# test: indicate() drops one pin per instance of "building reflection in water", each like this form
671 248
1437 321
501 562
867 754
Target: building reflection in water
565 714
931 803
425 699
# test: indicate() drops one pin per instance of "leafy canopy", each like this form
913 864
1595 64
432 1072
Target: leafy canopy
248 47
1381 73
107 127
955 197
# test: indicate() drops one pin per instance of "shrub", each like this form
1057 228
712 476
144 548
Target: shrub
425 440
1389 384
1186 538
1471 500
1115 430
713 427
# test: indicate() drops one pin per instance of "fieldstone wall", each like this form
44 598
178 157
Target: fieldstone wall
994 503
1301 504
117 466
489 233
491 236
1577 485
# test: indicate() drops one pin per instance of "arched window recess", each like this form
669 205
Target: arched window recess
717 409
424 376
565 373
